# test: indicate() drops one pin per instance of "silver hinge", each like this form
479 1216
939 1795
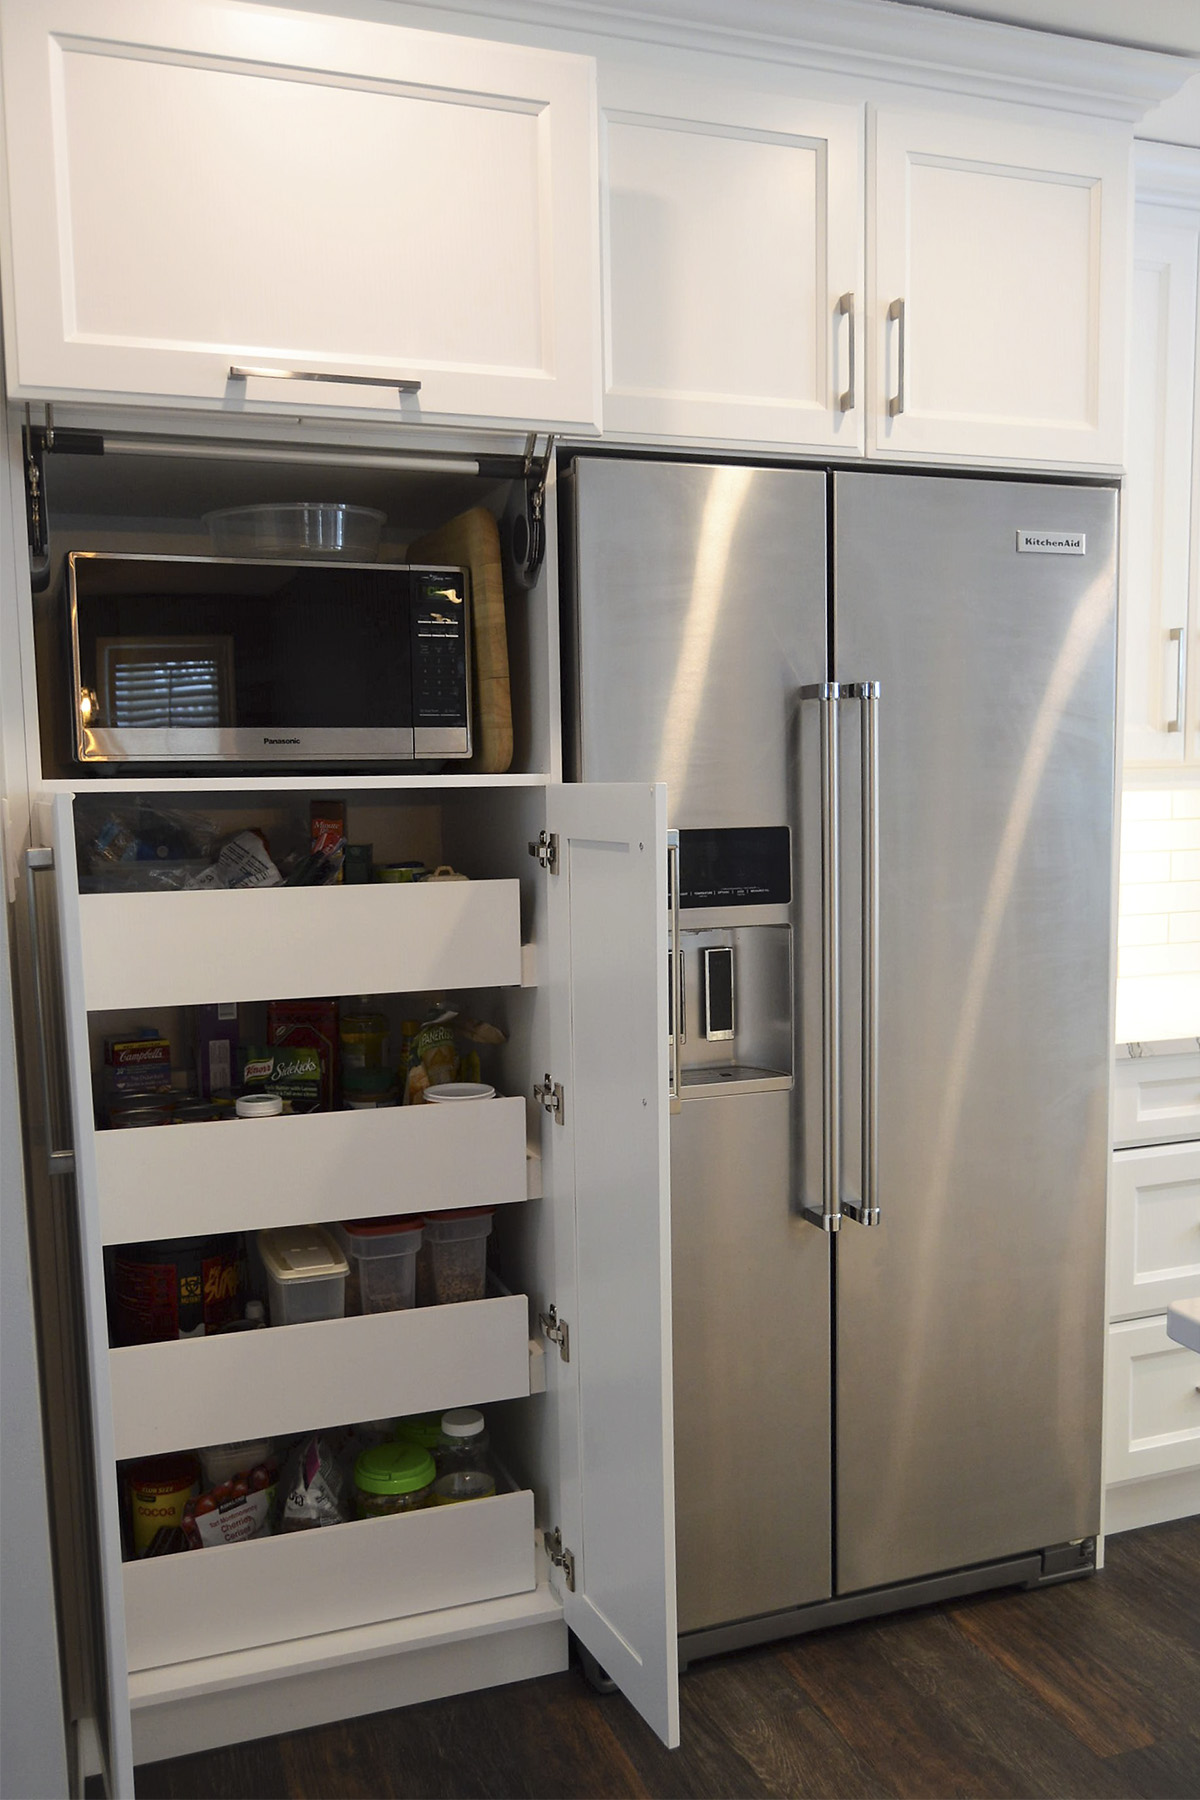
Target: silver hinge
546 850
549 1094
560 1558
557 1331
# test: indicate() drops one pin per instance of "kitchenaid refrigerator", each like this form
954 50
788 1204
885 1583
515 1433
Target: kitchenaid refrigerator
883 704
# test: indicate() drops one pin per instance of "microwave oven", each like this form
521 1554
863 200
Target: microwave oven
195 659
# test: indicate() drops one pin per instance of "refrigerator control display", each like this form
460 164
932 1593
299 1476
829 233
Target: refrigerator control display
735 866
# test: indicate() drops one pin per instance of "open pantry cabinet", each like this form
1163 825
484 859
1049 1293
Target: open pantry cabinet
567 951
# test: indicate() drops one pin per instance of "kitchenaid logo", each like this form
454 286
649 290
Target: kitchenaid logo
271 740
1053 543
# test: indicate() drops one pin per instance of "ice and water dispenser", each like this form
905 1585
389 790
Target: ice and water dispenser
732 984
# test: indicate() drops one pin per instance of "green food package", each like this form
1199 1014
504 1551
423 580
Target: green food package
290 1070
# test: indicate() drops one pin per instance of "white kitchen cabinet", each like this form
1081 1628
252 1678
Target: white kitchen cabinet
197 186
276 1631
1152 1385
1162 507
997 309
732 229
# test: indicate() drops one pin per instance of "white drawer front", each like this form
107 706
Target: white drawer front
294 1378
233 1597
158 1184
1156 1099
188 949
1152 1412
1154 1229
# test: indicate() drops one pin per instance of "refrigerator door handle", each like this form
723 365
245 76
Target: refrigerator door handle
865 1211
675 966
828 1216
39 859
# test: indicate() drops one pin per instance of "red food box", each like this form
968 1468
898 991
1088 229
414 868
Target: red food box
138 1065
310 1024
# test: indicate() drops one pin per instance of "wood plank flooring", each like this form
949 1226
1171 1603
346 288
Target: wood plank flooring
1091 1689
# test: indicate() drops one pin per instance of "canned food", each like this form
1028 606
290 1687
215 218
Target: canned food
158 1490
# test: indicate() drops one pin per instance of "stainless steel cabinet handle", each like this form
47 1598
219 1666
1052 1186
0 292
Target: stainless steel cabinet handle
241 372
895 314
866 1210
1177 637
58 1162
676 973
846 306
829 1218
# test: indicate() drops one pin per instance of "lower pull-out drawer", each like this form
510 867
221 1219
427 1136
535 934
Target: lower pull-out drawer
1152 1402
1154 1228
293 1378
237 1596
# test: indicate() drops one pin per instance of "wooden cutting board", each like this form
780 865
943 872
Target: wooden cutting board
473 541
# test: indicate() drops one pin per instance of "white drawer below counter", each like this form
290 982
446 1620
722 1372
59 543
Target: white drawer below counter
295 1378
1156 1098
1153 1228
1152 1403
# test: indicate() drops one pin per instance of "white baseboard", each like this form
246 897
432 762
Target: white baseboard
1133 1504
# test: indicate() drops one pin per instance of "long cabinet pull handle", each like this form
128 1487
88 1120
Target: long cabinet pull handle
895 314
676 973
243 372
1178 638
37 859
866 1211
845 307
829 1217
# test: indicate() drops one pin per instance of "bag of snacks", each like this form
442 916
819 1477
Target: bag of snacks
436 1052
315 1490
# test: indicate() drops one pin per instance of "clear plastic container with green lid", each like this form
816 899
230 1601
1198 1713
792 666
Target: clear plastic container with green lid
420 1428
392 1478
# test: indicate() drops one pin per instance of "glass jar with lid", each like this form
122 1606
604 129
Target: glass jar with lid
392 1478
464 1443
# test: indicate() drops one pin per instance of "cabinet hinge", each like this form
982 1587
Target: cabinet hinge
560 1558
38 441
545 849
549 1093
557 1331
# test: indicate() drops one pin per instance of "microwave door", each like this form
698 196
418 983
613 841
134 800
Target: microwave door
151 689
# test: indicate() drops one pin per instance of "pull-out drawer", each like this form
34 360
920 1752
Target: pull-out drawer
1152 1409
236 1596
1156 1099
189 949
1154 1228
304 1170
295 1378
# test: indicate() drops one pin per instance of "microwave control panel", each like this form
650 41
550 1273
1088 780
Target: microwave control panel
440 684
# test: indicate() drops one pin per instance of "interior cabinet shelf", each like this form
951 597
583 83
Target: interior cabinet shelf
310 1168
291 1379
189 949
241 1595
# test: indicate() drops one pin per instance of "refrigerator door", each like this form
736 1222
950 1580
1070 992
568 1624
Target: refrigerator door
698 612
969 1336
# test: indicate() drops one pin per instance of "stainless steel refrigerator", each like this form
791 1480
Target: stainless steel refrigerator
883 704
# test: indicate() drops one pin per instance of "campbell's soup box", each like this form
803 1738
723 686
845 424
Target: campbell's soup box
184 1287
137 1065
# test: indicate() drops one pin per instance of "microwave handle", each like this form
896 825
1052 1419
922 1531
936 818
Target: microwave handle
243 372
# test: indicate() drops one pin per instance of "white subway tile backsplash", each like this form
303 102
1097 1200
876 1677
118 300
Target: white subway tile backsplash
1158 958
1147 928
1138 866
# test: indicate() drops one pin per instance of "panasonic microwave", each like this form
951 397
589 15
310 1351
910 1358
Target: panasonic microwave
192 659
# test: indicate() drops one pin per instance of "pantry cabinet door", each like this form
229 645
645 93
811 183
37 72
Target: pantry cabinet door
197 185
732 228
111 1662
998 295
1162 630
607 1160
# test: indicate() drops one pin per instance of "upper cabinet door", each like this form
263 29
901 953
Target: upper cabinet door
607 1158
998 291
732 228
199 184
1161 568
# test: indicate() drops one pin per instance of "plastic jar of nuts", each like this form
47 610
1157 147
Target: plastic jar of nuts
452 1260
392 1478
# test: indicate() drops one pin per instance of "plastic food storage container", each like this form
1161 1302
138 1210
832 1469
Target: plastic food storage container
392 1478
464 1443
306 1274
452 1264
297 528
382 1257
420 1428
462 1484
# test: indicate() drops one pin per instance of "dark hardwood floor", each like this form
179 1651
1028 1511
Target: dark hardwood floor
1090 1689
